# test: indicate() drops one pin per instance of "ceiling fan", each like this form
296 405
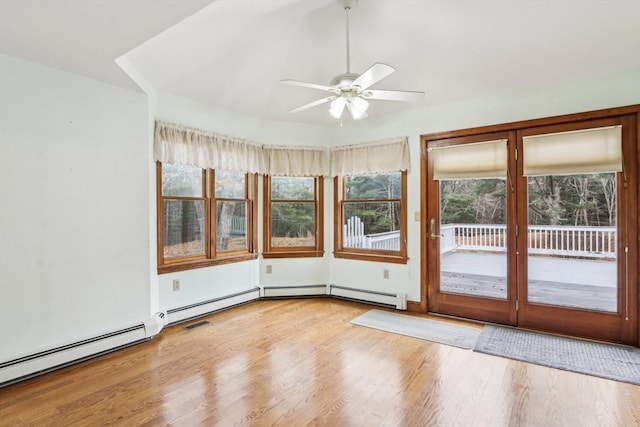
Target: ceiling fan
351 90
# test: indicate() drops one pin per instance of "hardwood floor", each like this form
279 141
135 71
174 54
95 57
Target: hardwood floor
301 362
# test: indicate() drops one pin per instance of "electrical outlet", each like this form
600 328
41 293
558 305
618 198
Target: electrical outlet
176 284
269 269
385 273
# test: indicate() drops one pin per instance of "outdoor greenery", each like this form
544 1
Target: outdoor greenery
473 201
293 210
578 200
588 200
375 199
181 180
184 232
185 219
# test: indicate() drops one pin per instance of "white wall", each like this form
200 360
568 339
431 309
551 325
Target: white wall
74 211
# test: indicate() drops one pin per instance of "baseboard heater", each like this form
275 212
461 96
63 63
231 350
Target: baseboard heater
45 361
182 314
294 291
397 301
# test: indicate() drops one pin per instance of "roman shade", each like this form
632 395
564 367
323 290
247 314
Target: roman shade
486 159
581 151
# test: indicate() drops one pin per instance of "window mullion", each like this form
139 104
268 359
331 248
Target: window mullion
211 253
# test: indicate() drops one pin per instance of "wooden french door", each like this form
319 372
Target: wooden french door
463 281
553 250
581 280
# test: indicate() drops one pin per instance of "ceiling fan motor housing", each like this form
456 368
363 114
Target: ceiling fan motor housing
344 80
347 4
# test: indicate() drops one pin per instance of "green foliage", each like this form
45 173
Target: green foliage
473 201
381 211
587 200
374 187
292 219
292 188
181 180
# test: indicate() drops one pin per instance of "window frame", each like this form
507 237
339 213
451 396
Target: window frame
396 257
269 251
210 257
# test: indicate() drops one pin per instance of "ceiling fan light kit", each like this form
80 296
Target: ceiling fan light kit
350 90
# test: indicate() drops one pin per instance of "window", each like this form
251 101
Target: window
293 218
371 217
205 217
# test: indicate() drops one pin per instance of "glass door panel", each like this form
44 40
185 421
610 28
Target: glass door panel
572 243
473 247
576 275
470 228
552 243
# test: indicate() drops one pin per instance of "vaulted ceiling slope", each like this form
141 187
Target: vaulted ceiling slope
232 54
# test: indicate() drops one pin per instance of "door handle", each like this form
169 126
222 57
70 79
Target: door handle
434 235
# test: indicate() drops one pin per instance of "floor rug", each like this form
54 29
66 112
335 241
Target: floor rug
426 329
610 361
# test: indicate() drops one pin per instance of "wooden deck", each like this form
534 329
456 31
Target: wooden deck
558 281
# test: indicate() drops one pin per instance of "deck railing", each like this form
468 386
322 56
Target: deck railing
570 241
556 240
354 237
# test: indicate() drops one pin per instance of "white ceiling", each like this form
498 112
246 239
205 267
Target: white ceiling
233 53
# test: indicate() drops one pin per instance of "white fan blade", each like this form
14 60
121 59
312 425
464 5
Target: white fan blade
305 84
374 74
314 103
394 95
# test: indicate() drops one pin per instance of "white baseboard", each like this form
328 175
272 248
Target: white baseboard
293 291
397 301
181 314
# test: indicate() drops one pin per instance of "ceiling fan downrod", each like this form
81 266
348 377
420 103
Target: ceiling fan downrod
347 5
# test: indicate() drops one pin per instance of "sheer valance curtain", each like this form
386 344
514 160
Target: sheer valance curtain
297 161
195 147
384 156
183 145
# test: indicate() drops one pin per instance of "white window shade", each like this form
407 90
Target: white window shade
583 151
476 160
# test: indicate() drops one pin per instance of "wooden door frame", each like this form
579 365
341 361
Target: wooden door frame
473 306
576 321
633 111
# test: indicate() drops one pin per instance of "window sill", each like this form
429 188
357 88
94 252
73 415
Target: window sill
192 265
293 254
394 259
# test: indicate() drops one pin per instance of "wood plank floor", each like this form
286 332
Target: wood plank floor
301 362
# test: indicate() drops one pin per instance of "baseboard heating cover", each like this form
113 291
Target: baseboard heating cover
25 367
294 291
397 301
177 315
